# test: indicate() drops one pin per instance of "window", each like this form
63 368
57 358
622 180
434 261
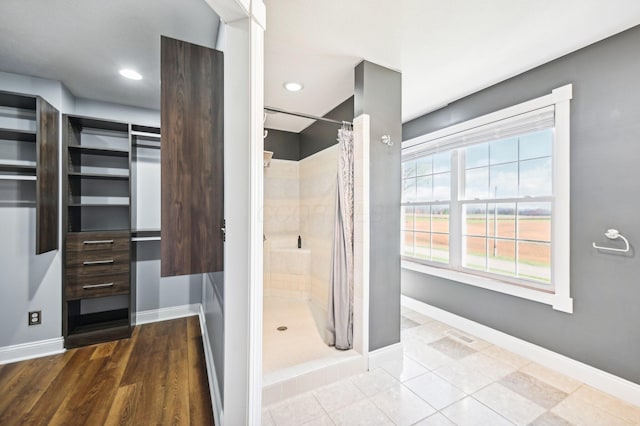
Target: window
486 202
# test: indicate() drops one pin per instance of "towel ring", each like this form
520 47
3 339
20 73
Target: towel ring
613 234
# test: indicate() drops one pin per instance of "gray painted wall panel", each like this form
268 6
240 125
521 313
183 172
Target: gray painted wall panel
605 181
378 93
284 145
320 135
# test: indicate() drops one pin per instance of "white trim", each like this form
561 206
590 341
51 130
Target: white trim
214 387
560 94
587 374
560 299
164 314
24 351
257 25
557 301
362 228
386 355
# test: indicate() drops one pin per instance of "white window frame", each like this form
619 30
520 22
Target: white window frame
560 298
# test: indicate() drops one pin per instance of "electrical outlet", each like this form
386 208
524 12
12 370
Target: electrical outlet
35 317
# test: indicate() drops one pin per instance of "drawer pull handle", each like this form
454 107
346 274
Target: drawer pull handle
88 287
97 262
98 242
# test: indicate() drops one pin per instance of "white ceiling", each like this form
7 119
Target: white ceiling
84 43
445 49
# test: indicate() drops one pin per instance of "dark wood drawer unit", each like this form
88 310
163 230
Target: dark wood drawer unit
97 286
98 241
97 263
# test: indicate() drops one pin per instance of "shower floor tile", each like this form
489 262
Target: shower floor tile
302 342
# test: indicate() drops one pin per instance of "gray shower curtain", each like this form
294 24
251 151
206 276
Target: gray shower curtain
340 309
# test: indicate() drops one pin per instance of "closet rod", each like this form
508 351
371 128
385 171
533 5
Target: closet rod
312 117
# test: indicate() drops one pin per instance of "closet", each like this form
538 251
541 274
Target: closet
29 148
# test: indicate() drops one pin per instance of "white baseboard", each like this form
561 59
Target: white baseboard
606 382
163 314
214 388
382 356
31 350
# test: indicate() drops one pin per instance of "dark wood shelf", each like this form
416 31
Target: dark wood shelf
98 332
18 168
18 135
100 151
106 176
18 100
142 233
97 205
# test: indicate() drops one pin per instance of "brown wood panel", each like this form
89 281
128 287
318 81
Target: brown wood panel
96 286
98 241
192 172
47 204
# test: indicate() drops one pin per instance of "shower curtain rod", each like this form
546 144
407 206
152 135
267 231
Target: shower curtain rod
312 117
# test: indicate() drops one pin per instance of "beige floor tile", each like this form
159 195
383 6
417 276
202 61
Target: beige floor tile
489 366
402 406
553 378
537 391
428 332
296 411
322 421
609 403
452 348
470 412
505 356
509 404
464 378
426 355
435 390
580 412
417 317
550 419
435 420
338 395
406 323
266 418
373 382
361 413
405 370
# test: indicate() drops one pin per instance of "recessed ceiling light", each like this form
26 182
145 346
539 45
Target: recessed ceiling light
130 74
293 86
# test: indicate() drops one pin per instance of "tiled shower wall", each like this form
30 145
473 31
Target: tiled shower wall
318 180
299 199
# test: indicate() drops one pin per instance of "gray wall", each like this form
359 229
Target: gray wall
605 150
284 145
213 305
378 93
320 135
27 282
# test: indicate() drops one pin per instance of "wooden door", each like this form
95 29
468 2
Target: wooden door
192 165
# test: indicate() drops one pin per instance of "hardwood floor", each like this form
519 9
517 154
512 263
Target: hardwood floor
158 377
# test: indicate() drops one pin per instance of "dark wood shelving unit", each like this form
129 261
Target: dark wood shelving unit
32 135
97 235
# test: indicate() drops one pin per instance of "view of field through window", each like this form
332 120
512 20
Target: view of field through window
506 204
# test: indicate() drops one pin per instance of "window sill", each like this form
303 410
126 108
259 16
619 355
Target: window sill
556 301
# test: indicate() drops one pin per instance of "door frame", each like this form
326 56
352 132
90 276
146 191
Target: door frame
246 20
